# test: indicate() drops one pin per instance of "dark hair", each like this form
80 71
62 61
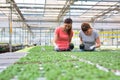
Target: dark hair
85 26
68 20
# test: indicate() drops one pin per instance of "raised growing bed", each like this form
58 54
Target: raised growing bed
4 47
42 63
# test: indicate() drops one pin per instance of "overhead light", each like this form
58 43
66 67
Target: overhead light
8 1
115 12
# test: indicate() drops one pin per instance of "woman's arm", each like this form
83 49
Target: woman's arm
70 39
55 36
55 39
98 44
71 35
81 39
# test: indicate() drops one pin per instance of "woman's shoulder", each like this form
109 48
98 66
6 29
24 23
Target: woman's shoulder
95 31
58 28
80 31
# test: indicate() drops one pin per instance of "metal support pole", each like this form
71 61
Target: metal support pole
10 28
15 36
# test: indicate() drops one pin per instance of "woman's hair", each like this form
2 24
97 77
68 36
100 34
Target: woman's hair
85 26
68 21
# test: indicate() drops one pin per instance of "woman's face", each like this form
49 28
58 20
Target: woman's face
88 32
67 26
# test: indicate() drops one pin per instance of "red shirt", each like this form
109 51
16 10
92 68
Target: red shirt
63 40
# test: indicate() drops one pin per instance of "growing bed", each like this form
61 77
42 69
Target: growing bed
42 63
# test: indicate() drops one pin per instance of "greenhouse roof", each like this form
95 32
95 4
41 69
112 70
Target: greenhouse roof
51 13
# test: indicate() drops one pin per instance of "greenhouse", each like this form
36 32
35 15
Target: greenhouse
28 29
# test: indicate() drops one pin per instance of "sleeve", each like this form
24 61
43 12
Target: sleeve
96 34
56 31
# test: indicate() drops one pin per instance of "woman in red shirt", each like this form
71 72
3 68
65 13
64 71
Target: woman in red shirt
63 36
